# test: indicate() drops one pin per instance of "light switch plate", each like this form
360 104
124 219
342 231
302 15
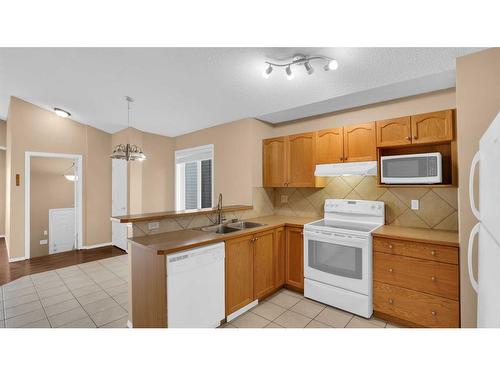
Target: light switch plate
154 225
43 242
284 198
45 233
415 204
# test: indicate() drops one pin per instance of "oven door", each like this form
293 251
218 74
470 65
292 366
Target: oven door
340 260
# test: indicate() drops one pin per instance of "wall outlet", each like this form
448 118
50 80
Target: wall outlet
45 233
284 198
44 242
154 225
414 204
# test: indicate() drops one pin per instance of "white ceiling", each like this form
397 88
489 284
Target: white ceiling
180 90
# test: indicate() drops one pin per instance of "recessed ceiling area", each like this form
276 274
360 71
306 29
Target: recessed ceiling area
180 90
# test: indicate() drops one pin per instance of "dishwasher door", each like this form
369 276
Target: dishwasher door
195 287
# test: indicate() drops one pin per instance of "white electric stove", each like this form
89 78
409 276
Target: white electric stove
338 255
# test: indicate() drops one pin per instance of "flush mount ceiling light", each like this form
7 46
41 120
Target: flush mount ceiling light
61 112
127 151
70 174
330 64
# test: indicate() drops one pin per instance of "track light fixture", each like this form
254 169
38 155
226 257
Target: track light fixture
331 64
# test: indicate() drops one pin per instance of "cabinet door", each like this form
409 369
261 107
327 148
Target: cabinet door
279 257
239 273
295 258
330 146
359 142
301 163
263 264
394 132
274 162
432 127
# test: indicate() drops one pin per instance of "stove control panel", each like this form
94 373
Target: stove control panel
361 207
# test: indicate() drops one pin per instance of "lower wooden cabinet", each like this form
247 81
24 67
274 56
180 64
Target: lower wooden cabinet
239 273
263 264
416 283
279 257
294 258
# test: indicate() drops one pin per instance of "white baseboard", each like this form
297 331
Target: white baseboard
96 246
242 310
129 324
11 260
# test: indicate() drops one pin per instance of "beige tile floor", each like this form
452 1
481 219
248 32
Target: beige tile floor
88 295
287 309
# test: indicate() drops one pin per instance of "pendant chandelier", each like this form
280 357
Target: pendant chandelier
127 151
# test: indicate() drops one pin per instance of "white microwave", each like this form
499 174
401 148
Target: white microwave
424 168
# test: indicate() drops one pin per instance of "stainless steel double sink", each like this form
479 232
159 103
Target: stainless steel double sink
230 227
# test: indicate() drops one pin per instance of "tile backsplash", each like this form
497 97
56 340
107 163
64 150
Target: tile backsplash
437 206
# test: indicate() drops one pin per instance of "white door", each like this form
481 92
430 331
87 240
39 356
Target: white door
61 230
119 202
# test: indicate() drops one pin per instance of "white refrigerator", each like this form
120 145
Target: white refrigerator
487 286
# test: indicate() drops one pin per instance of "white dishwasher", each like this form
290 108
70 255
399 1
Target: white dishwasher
195 287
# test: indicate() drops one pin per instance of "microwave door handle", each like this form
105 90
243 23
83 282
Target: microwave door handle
473 233
472 172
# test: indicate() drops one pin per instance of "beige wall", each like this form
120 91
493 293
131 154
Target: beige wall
31 128
49 189
3 134
478 102
237 156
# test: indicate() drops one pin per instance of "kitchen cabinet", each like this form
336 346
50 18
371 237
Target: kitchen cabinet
416 283
263 264
432 127
239 273
274 162
426 128
294 258
279 257
394 132
290 161
359 143
330 146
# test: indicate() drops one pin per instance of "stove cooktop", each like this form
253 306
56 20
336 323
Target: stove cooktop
345 225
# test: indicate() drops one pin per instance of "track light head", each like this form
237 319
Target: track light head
309 68
267 72
289 73
332 65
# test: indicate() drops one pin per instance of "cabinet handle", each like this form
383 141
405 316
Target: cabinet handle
433 252
341 158
409 138
433 313
391 301
390 270
415 137
433 278
391 246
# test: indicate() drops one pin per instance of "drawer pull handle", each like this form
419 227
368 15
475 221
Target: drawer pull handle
390 246
433 278
433 252
390 270
433 313
391 301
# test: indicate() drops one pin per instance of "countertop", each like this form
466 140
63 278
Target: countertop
171 242
434 236
155 216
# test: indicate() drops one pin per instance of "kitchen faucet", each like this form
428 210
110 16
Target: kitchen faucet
219 210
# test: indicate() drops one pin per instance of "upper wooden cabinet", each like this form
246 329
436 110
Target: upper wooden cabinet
290 161
394 132
330 146
432 127
274 162
359 143
427 128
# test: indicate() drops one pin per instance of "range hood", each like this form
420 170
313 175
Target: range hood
363 168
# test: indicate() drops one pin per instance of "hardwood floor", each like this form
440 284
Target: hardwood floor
15 270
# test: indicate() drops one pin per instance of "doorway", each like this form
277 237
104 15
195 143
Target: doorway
53 203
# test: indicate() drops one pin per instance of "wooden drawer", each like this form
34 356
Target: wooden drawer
440 279
439 253
419 308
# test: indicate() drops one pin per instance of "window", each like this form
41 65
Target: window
194 172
